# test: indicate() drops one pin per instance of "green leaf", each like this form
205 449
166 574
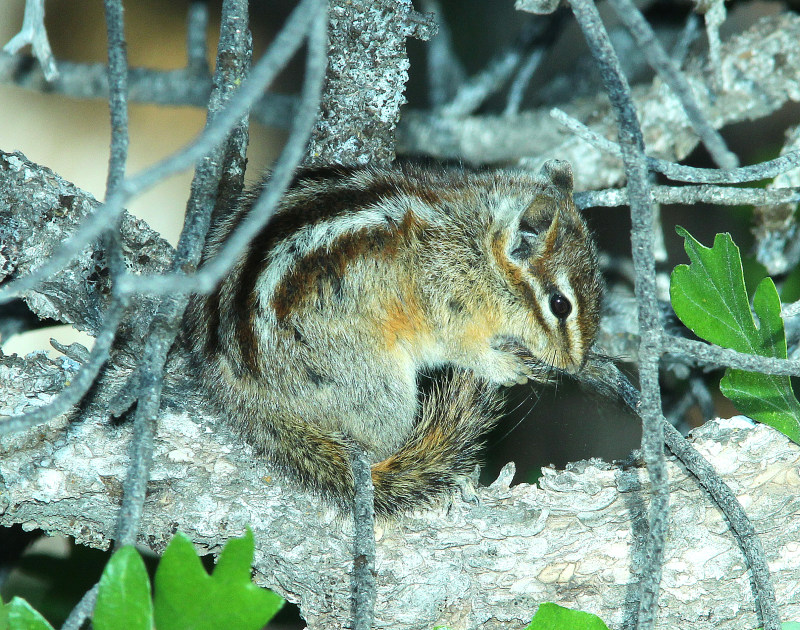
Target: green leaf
555 617
20 615
709 297
123 597
187 598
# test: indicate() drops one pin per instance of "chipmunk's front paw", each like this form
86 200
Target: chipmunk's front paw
521 377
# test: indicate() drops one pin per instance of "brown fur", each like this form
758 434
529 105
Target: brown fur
364 278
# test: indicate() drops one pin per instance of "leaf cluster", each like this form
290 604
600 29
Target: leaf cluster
185 595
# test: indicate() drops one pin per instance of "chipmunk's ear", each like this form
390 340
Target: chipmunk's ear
559 174
533 227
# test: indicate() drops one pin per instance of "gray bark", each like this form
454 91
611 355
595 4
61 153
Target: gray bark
761 71
573 540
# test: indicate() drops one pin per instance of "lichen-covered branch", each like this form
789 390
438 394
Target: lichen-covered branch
519 547
367 67
580 538
185 86
38 210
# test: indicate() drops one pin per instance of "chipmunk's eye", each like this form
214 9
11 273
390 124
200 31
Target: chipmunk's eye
560 306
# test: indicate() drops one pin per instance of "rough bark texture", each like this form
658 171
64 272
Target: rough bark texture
367 67
38 210
575 540
489 565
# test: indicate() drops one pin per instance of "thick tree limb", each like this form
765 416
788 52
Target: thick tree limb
367 64
38 210
490 565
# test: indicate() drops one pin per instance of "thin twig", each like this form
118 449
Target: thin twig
444 70
196 47
723 496
474 91
690 195
642 219
708 354
137 474
689 34
283 47
679 172
33 32
80 383
521 81
233 64
478 88
118 94
118 109
714 17
364 583
233 61
206 279
82 611
118 156
147 85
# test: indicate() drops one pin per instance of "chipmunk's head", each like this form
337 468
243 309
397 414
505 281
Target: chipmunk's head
547 261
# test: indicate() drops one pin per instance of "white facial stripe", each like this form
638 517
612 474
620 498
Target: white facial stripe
571 327
573 330
565 288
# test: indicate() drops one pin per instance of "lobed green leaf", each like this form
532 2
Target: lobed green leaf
709 296
187 598
123 597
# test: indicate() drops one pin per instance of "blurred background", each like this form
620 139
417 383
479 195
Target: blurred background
553 425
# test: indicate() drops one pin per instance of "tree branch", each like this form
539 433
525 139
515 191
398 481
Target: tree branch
569 541
762 66
579 540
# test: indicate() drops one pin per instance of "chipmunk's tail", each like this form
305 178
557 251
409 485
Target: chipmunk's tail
443 449
439 455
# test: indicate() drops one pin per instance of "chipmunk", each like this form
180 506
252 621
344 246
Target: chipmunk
367 277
